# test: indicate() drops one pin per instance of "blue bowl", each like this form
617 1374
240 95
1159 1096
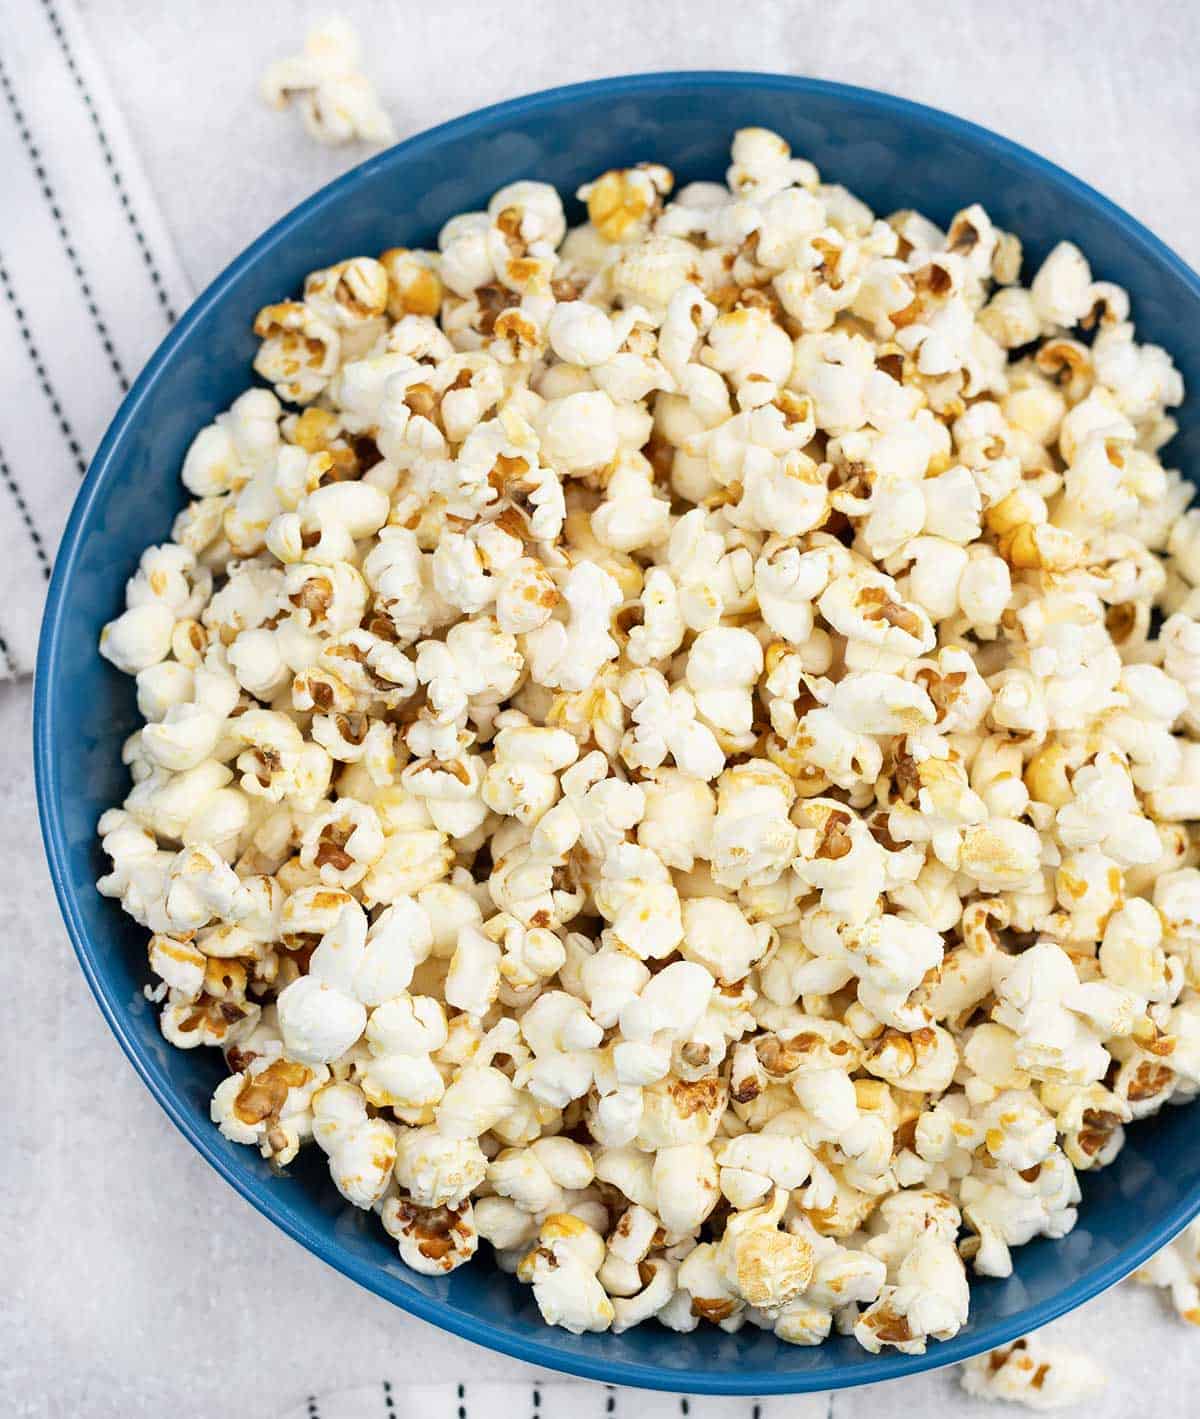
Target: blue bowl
893 154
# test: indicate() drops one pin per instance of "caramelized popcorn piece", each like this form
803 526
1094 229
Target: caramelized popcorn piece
619 201
1035 1374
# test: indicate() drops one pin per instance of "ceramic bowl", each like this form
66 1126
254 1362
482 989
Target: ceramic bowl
892 154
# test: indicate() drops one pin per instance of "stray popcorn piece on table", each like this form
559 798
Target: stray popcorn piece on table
338 104
1035 1374
660 754
1176 1268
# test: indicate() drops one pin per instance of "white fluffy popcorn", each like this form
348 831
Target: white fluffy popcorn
337 103
361 1149
659 751
1176 1269
1035 1374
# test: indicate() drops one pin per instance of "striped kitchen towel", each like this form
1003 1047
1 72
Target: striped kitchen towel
557 1399
89 284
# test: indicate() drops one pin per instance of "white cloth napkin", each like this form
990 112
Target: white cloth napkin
556 1400
89 284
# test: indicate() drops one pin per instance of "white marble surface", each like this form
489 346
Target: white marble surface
134 1282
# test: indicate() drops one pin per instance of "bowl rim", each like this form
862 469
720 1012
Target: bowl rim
538 1347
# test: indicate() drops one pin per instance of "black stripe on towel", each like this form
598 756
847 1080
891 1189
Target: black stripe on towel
388 1402
7 654
39 170
39 547
40 370
114 172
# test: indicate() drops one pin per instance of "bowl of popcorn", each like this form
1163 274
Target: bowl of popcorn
629 680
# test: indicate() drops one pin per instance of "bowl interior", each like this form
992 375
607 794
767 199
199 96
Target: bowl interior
890 153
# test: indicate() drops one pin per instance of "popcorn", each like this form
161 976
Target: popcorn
584 334
723 665
579 431
397 942
342 843
228 452
1176 1268
667 761
922 1062
884 632
636 896
707 1290
928 1299
1006 1208
319 1021
1062 286
432 1240
649 273
1034 1374
437 1171
522 780
139 638
676 1112
269 1103
503 1223
666 723
753 839
649 1301
677 817
631 516
337 103
402 1034
674 1000
685 1185
762 1265
562 1270
562 1036
718 936
999 854
748 347
361 1150
522 1175
473 980
754 1164
1034 1000
763 163
568 654
299 355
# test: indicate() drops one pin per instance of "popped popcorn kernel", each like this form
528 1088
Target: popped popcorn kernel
1035 1374
337 103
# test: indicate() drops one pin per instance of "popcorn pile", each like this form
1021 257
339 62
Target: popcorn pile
661 753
